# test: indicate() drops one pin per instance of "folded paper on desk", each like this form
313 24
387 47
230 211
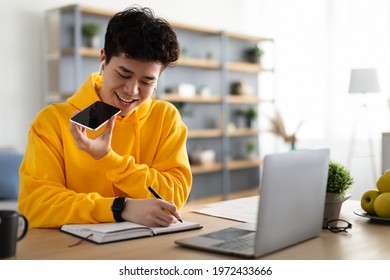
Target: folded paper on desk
245 209
111 232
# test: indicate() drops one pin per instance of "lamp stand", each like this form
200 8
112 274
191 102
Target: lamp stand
351 154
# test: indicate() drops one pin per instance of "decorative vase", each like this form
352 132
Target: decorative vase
333 203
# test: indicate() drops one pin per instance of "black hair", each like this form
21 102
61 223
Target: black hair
140 35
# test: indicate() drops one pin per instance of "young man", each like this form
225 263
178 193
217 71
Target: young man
73 175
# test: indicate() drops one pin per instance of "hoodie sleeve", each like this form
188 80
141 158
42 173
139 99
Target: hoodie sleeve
44 198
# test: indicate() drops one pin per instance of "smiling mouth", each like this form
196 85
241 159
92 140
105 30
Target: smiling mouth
127 101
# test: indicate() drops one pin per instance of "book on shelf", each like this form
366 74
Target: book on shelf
111 232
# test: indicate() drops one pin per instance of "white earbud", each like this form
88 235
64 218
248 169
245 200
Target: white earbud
101 67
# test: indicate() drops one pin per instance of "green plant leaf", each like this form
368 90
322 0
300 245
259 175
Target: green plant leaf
90 29
339 178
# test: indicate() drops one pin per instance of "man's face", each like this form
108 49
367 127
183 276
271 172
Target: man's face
127 83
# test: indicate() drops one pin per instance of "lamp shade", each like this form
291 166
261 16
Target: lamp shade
363 81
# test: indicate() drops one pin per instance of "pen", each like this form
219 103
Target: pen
158 196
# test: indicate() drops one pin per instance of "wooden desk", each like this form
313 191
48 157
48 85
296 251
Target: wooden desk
366 240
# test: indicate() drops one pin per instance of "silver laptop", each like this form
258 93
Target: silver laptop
291 207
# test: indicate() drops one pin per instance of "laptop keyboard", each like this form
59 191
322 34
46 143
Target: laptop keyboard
242 244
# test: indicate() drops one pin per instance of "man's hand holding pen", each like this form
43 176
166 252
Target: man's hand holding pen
151 212
158 196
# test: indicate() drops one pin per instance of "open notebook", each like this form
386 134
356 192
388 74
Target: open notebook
111 232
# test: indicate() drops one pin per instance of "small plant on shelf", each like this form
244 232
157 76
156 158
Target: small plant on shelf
250 115
90 32
250 149
90 29
254 54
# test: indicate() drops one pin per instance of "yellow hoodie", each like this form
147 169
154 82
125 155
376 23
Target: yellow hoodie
61 184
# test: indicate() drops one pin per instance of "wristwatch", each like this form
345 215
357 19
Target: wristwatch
117 208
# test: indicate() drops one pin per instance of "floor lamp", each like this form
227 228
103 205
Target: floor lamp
363 81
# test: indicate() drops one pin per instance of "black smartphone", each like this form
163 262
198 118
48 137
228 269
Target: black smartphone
96 115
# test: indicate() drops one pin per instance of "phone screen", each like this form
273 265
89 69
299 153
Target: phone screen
96 115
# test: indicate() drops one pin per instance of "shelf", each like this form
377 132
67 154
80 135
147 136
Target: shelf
250 38
89 52
189 27
205 133
199 63
245 163
173 97
243 99
209 168
89 10
237 132
96 11
242 66
86 52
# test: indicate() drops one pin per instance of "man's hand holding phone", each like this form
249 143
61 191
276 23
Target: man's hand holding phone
100 145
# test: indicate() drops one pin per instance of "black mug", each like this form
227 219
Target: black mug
9 232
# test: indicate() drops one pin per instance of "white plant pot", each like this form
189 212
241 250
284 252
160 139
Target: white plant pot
92 42
333 203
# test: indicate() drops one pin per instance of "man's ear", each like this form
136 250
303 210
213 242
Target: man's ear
102 55
101 67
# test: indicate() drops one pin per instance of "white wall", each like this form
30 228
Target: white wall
21 25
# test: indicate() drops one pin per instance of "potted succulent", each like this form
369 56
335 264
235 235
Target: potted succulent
338 185
90 32
250 115
250 150
254 54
